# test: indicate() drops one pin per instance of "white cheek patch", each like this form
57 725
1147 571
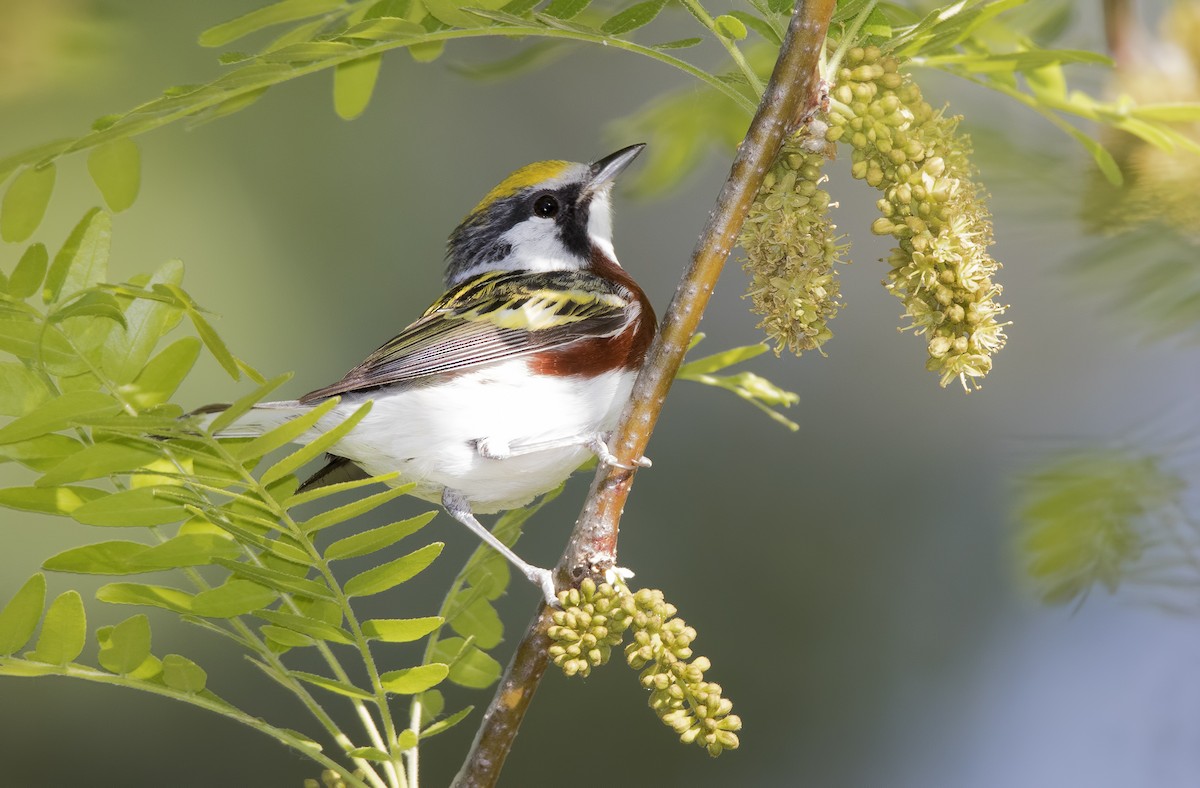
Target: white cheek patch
600 223
538 246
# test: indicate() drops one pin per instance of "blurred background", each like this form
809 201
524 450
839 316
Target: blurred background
857 584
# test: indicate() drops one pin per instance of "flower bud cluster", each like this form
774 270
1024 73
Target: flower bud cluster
791 249
592 620
913 154
329 779
679 695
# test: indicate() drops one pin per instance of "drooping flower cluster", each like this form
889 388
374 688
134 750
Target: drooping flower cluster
679 695
592 620
940 268
791 249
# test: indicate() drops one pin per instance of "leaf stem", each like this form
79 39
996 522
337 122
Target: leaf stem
593 543
735 53
12 666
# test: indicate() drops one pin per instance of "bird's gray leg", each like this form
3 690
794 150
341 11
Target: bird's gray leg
458 508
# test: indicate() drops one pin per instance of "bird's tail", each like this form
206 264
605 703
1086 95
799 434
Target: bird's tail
261 418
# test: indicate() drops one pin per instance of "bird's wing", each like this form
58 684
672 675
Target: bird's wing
493 316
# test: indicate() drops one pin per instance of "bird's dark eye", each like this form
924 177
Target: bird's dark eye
545 206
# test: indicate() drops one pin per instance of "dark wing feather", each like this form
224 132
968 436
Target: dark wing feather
490 317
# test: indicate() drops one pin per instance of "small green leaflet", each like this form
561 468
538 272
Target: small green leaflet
279 580
479 620
235 597
64 631
99 459
59 413
288 432
400 630
139 507
566 9
310 451
350 510
306 626
410 681
637 15
49 500
151 596
287 638
116 169
443 725
20 616
353 84
146 321
27 277
267 16
731 27
83 259
25 203
375 539
40 453
393 573
105 558
180 673
370 754
341 688
21 389
163 374
469 667
126 646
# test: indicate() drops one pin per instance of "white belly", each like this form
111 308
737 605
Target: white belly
431 434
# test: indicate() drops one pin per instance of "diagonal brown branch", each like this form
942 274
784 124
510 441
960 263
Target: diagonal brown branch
593 545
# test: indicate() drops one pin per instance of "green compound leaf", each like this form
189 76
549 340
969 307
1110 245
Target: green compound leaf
49 500
267 16
151 596
99 459
64 631
164 373
83 259
137 508
400 630
91 304
243 405
310 451
30 272
410 681
180 673
469 667
353 84
393 573
20 616
235 597
25 203
637 15
125 647
59 413
116 169
375 539
333 685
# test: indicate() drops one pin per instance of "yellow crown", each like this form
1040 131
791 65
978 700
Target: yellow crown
528 175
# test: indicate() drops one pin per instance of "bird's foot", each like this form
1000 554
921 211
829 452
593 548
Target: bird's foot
599 446
544 579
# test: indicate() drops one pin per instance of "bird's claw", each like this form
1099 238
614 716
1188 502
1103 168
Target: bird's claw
544 579
599 447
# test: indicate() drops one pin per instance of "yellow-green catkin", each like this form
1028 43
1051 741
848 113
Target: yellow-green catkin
679 695
587 627
791 249
913 154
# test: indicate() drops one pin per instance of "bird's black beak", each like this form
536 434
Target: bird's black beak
606 170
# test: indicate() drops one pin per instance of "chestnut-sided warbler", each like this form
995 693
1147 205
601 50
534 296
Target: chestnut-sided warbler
519 371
